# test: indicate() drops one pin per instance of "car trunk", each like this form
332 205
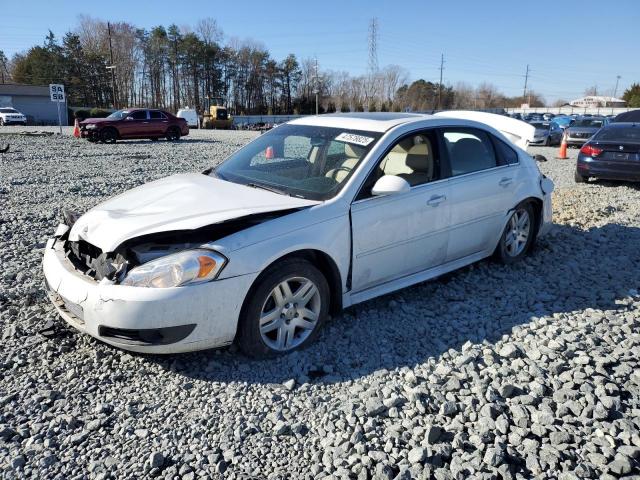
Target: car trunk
618 152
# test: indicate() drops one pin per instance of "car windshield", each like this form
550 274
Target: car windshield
589 122
8 110
540 125
119 115
300 160
630 134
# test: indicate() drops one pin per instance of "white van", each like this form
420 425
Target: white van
190 115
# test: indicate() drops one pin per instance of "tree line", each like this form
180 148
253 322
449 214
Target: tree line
120 65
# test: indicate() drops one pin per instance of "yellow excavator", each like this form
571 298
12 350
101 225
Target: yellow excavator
216 116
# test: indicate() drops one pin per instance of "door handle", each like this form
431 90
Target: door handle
505 182
436 200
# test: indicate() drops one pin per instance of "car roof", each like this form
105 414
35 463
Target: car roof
623 124
369 121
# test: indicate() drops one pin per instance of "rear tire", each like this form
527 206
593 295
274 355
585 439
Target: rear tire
284 309
109 135
579 178
173 134
518 235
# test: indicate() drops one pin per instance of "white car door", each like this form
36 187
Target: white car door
482 187
401 234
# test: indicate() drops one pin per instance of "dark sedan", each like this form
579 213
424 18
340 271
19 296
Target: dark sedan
583 129
612 154
134 123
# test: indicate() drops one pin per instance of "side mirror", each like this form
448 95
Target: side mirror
390 185
129 118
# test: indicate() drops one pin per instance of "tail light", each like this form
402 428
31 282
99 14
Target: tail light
590 150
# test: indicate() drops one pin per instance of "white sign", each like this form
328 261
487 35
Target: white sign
353 138
57 92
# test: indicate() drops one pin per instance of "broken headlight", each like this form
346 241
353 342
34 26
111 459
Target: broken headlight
185 268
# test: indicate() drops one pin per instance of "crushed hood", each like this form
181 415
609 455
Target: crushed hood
180 202
518 132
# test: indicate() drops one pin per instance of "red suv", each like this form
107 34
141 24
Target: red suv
134 123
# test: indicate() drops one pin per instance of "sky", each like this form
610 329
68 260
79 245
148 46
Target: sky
569 46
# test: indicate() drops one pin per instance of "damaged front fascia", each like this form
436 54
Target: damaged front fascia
113 266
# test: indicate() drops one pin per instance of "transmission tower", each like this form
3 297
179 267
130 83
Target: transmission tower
373 46
370 90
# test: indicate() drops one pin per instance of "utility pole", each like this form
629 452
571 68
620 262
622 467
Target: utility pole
440 84
615 90
112 67
316 86
526 80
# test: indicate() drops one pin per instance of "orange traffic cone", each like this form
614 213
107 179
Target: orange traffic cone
562 154
76 129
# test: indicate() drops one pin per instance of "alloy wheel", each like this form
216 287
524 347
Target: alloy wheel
517 233
290 313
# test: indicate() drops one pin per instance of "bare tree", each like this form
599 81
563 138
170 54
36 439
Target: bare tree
464 96
391 77
209 31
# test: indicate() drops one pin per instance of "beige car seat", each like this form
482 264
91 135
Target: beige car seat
410 159
352 156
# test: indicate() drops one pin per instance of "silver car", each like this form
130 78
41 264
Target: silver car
583 129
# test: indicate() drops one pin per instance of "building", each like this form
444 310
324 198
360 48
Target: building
34 102
593 101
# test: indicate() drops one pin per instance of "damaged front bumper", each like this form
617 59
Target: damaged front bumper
141 319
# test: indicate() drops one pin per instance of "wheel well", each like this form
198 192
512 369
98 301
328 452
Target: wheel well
329 269
111 128
536 203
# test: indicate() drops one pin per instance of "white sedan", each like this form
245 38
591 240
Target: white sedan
314 216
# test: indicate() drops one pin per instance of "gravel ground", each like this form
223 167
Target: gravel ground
524 371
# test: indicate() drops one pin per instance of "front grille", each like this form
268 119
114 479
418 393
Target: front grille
82 255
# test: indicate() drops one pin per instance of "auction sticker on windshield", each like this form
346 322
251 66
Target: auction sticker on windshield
353 138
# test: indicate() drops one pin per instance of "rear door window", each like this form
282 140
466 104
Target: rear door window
139 115
506 154
469 150
156 115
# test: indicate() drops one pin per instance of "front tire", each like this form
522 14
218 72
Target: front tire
284 310
173 134
109 135
518 235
